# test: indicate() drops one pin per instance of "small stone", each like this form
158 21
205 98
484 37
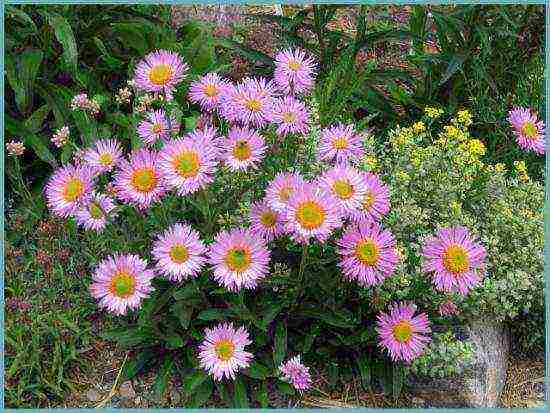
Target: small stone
93 395
418 401
127 390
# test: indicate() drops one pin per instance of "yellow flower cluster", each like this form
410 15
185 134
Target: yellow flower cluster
371 162
500 167
403 136
464 117
521 170
432 112
419 154
402 176
475 147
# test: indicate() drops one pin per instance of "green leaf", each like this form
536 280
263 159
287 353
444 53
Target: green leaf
193 381
200 53
40 148
64 35
17 13
21 76
212 314
67 154
111 61
365 371
35 121
224 393
262 396
163 376
174 341
398 378
279 351
454 65
240 397
186 292
257 371
129 337
202 394
136 365
285 388
183 313
250 54
270 313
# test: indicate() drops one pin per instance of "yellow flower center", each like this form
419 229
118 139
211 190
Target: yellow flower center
340 143
210 91
289 117
368 200
144 179
224 350
179 254
160 74
455 259
187 164
343 189
157 128
123 284
268 219
74 188
367 252
238 259
106 159
285 193
95 210
253 105
242 151
529 129
402 332
310 215
294 65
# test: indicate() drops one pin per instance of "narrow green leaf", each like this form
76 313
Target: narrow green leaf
454 65
64 35
161 383
285 388
193 381
257 371
212 314
270 313
279 351
136 365
183 313
174 341
365 371
202 394
240 396
40 149
35 121
262 396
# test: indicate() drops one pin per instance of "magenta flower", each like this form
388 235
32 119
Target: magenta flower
340 143
104 155
294 71
120 282
368 254
94 213
455 259
294 372
139 180
160 71
376 200
528 129
291 116
311 213
208 136
207 91
266 222
179 253
156 127
347 186
222 351
187 165
249 103
239 259
404 337
244 148
68 189
281 188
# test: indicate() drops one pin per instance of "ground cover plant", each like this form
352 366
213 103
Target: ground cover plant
237 233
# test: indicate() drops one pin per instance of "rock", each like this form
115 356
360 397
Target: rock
127 390
482 381
93 395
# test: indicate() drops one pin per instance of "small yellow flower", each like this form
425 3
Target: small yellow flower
432 112
456 207
464 117
372 162
402 176
500 167
419 127
476 147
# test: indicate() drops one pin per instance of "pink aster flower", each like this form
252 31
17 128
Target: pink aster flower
404 337
187 165
120 282
311 213
104 155
291 116
447 308
94 214
207 91
68 189
368 254
347 186
294 71
281 188
61 137
249 103
245 148
15 148
376 200
208 136
222 351
239 258
455 259
296 373
528 129
340 143
179 253
265 221
156 127
139 180
160 71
